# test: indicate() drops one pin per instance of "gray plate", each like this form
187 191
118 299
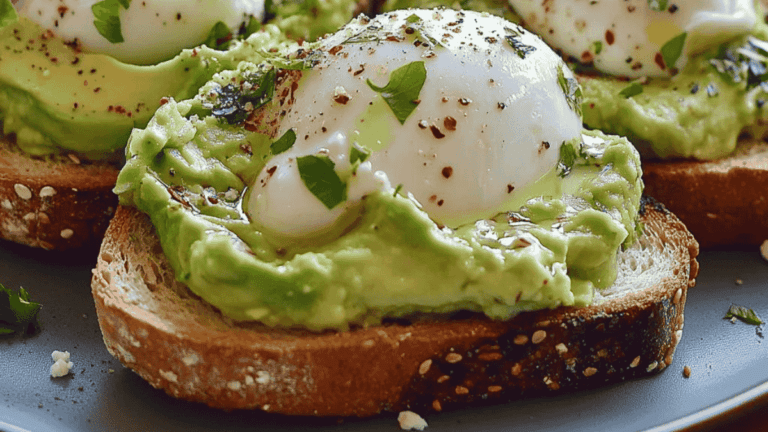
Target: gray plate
729 364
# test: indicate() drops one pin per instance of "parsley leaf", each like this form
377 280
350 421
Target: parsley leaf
234 103
633 89
657 5
219 37
284 142
357 153
597 47
568 158
319 177
17 312
520 48
8 13
672 50
402 91
107 14
571 89
743 313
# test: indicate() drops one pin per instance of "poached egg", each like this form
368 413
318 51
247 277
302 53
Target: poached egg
493 110
152 30
636 38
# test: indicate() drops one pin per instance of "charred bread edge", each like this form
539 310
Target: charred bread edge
54 202
722 202
180 344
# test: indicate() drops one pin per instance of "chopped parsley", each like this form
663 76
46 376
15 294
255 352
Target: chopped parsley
673 49
402 91
17 312
745 314
284 142
321 179
597 47
107 18
416 26
632 89
571 90
235 102
745 63
8 13
219 37
357 153
658 5
568 157
513 40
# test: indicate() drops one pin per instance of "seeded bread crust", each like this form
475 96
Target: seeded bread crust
54 202
178 343
723 202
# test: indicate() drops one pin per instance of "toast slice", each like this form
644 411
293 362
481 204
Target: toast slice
54 202
157 327
722 202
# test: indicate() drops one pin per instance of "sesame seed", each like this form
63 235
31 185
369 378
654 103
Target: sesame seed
521 339
678 295
635 362
516 369
436 405
652 366
687 371
29 217
424 366
490 356
494 389
22 191
561 348
47 191
453 358
461 390
67 233
588 372
538 336
443 379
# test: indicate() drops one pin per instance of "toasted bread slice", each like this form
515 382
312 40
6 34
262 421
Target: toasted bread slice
54 202
722 202
157 327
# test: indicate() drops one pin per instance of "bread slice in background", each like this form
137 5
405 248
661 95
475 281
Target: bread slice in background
722 202
54 202
157 327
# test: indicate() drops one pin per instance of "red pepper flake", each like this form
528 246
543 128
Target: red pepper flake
335 50
450 123
85 83
659 61
465 101
672 9
436 132
510 188
543 146
609 37
164 100
75 61
93 71
97 89
54 59
447 172
246 148
76 105
272 170
587 57
324 129
440 203
433 198
80 72
423 124
62 10
341 98
178 16
637 66
359 71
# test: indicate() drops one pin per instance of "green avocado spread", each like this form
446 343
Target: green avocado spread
190 167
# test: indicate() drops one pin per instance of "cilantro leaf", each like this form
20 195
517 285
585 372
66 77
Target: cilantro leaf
672 50
657 5
219 37
284 142
247 29
107 14
633 89
402 91
8 13
743 313
319 177
357 153
17 312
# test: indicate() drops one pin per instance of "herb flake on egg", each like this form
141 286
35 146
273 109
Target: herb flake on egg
402 91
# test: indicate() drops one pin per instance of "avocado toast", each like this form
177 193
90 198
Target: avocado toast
375 269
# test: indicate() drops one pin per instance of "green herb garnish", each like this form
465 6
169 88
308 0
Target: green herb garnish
235 102
513 40
107 22
597 47
321 179
745 314
8 13
17 312
571 90
673 49
657 5
633 89
402 91
416 26
284 142
357 154
568 158
397 189
219 37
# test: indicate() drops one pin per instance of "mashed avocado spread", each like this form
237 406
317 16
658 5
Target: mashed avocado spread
191 167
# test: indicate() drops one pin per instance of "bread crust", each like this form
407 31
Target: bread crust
54 202
722 202
157 327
